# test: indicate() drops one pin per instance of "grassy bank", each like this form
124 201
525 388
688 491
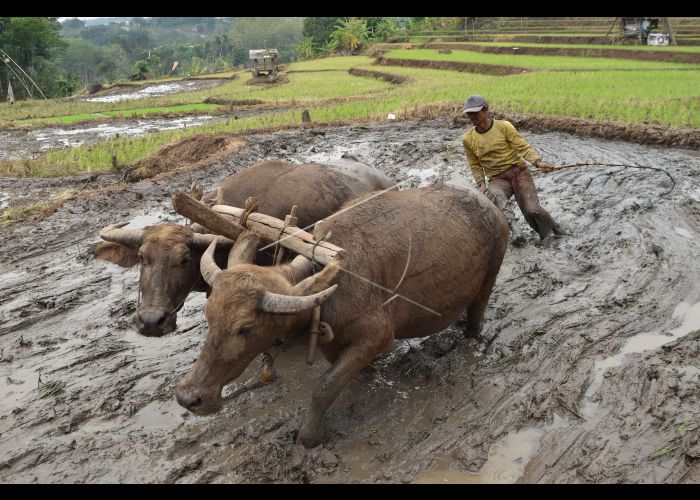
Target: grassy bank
324 87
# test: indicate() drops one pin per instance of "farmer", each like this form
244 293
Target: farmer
495 150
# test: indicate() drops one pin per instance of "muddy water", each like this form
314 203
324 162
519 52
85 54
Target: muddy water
529 401
29 143
156 90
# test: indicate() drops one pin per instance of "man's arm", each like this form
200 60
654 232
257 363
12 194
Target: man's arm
474 166
520 145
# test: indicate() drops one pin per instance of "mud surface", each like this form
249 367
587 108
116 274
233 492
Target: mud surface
24 143
154 90
586 371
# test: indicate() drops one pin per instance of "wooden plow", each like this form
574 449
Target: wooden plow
231 221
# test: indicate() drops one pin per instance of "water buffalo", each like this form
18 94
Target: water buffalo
416 259
169 253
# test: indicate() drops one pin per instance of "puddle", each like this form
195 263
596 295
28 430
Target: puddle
506 461
23 144
158 90
505 465
683 232
640 343
141 221
158 415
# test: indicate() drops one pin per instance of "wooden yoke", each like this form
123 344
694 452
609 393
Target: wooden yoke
289 221
198 212
291 237
225 220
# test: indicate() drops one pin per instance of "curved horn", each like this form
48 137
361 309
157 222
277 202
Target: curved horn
277 303
204 240
207 266
243 252
128 237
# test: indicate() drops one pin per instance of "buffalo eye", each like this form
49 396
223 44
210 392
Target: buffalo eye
186 261
246 330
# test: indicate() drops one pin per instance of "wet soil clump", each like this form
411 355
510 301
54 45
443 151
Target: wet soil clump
387 77
187 153
268 80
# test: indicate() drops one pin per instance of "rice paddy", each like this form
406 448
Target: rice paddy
622 90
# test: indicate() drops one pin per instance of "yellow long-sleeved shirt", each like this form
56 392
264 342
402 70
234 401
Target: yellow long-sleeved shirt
496 150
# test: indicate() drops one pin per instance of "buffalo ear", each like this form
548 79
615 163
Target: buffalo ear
318 282
116 253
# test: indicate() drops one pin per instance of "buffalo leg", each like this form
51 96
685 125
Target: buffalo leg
349 362
475 310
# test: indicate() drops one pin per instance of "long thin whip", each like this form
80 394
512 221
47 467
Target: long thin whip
570 165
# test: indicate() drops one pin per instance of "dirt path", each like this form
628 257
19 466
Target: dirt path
558 389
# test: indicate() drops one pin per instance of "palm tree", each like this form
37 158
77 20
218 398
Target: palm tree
350 35
386 29
306 48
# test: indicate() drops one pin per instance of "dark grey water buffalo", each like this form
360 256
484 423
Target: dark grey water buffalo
416 260
169 253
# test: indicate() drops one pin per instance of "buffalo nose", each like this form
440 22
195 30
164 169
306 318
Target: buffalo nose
191 401
150 322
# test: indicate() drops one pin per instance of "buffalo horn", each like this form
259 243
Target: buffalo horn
204 240
207 266
278 303
128 237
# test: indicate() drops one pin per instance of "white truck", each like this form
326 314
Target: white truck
264 61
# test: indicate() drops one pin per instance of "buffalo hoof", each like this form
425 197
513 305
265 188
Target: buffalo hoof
472 331
519 241
309 438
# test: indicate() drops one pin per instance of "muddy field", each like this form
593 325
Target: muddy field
586 370
26 143
154 89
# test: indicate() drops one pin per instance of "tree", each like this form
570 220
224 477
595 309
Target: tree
33 43
386 29
351 34
306 48
142 70
319 28
73 24
82 59
281 33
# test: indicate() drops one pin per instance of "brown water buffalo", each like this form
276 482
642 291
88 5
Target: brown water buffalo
416 260
169 253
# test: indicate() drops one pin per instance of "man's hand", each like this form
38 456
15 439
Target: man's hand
544 166
485 190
